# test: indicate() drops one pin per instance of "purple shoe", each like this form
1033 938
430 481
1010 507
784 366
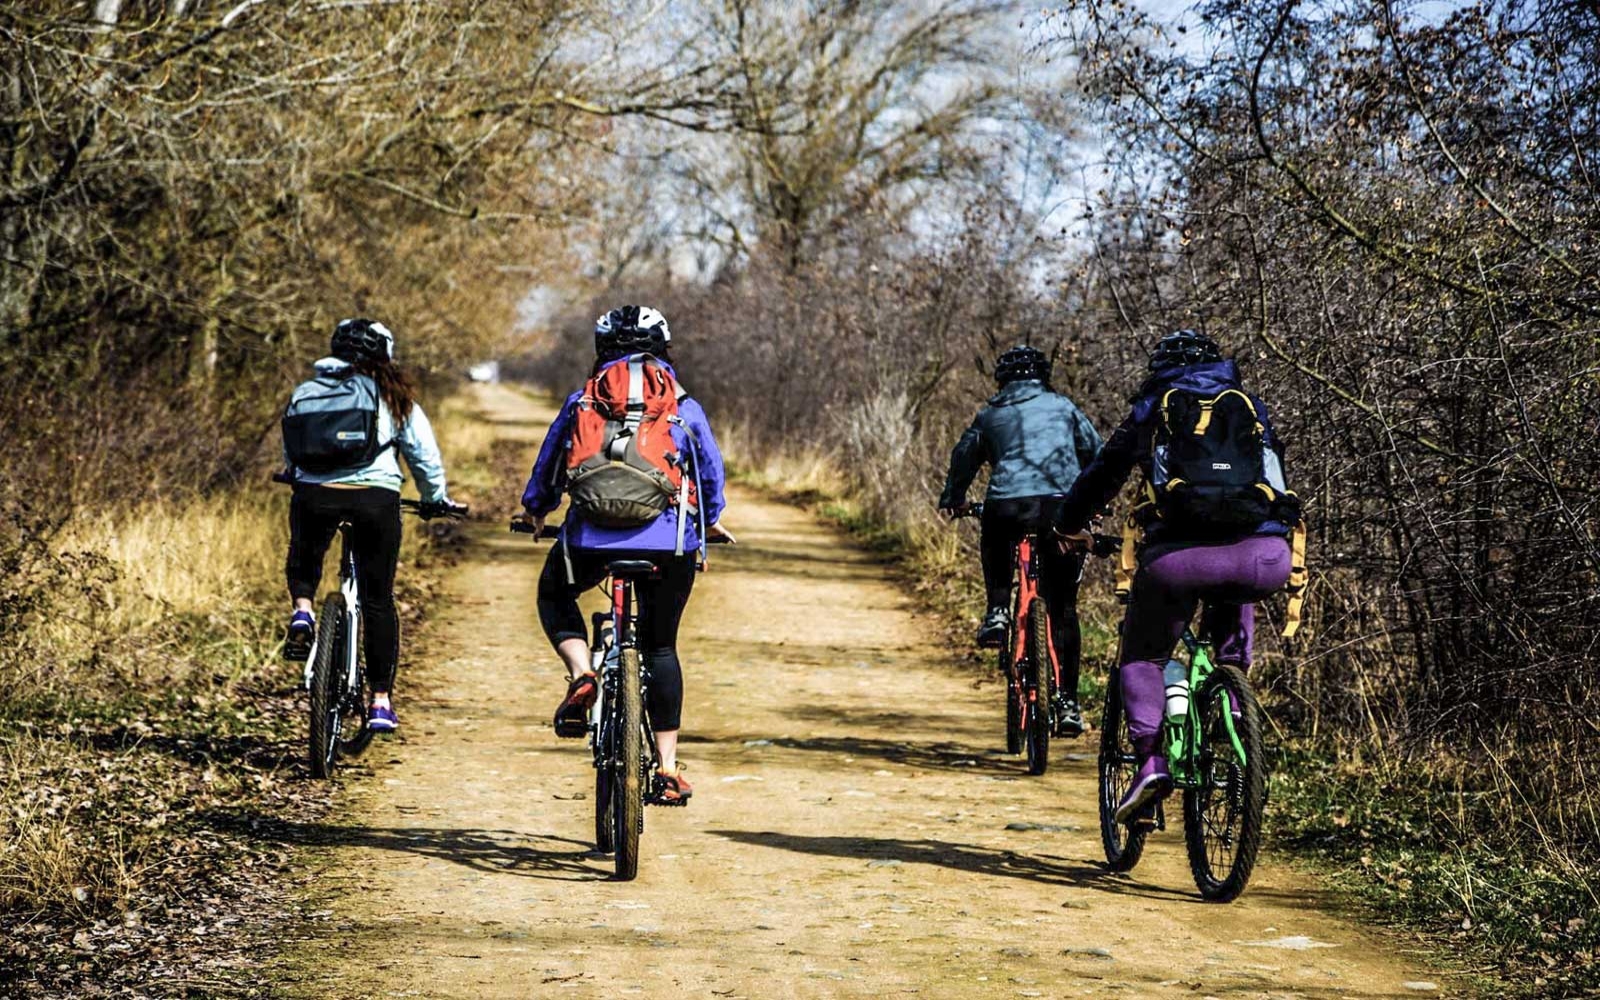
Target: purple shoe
297 637
1150 785
381 719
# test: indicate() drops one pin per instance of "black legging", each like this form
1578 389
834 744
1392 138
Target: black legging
1004 523
374 516
661 603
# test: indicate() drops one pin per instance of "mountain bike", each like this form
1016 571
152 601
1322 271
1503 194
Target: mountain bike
1028 659
1214 749
335 676
626 760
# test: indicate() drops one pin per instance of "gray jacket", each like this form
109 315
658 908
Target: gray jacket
1034 440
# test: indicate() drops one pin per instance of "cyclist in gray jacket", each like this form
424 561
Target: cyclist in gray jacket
1035 442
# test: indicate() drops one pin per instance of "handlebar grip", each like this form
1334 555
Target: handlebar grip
548 531
282 476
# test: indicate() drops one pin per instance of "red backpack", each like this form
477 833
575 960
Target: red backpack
623 468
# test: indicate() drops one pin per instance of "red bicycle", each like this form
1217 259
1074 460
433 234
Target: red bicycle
1028 658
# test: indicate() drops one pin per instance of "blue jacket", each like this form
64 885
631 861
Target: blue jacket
1131 445
414 440
548 482
1035 442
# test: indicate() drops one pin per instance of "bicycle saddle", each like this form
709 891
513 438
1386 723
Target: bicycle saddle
632 567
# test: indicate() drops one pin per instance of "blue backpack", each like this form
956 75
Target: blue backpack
331 424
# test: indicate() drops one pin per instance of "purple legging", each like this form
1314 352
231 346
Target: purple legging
1229 578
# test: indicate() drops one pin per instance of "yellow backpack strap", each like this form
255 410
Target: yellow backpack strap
1128 561
1299 576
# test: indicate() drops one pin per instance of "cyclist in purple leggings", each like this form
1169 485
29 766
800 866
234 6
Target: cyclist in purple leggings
1218 534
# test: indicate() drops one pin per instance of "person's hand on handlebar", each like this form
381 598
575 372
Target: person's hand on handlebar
718 531
960 510
534 522
1075 541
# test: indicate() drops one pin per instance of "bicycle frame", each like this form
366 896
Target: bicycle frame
1183 736
1027 573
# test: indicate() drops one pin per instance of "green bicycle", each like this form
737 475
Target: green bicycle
1214 751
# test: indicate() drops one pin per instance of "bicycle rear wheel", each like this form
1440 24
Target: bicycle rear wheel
1038 683
1222 815
1008 670
627 794
327 686
1123 844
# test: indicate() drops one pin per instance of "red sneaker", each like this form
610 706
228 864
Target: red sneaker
572 717
671 789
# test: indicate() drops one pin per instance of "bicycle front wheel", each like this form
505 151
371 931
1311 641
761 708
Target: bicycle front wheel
1123 843
1222 815
1039 682
327 686
627 791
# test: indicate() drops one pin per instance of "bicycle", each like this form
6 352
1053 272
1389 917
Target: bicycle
1028 659
335 676
626 759
1215 752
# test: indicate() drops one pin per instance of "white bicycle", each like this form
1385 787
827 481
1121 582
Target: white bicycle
335 675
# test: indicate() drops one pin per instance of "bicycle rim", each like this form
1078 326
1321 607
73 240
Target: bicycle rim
327 683
1222 815
628 795
354 733
1123 844
1008 671
1040 683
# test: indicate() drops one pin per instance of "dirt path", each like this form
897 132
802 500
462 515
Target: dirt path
854 832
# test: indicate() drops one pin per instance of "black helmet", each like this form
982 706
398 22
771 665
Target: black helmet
631 330
1021 363
1184 347
362 340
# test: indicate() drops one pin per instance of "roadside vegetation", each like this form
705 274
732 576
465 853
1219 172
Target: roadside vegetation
1387 211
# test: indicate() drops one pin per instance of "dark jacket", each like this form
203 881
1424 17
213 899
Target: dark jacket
1035 442
1131 445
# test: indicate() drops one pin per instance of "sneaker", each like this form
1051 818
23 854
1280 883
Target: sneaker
1150 785
992 633
381 719
670 789
297 637
1068 719
572 716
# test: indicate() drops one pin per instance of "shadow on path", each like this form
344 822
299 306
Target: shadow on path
509 851
924 756
990 861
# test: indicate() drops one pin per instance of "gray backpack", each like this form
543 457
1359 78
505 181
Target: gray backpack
331 424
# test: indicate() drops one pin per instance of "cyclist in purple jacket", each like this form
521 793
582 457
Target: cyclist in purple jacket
588 549
1228 566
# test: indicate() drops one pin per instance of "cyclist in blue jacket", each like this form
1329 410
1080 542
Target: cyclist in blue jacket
1034 441
588 548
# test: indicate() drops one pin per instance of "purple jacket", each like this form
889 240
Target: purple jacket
1129 447
549 480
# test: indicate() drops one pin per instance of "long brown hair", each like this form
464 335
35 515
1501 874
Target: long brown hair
394 385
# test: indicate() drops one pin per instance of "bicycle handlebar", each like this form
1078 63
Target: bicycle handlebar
426 510
553 531
431 511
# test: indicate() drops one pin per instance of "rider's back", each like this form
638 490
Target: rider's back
1035 441
414 439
